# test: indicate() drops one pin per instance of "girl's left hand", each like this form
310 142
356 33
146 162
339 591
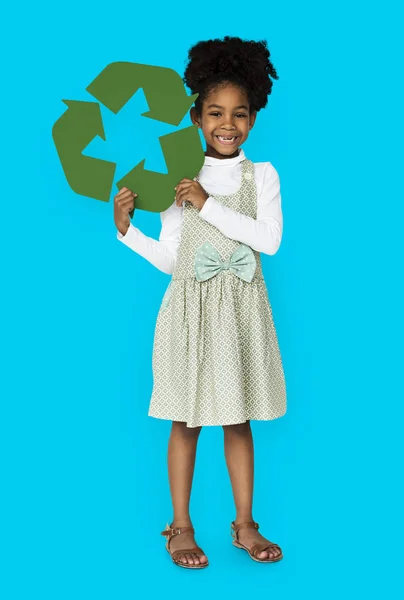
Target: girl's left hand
192 192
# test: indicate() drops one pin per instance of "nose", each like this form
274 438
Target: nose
227 122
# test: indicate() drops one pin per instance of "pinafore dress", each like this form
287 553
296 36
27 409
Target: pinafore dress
216 358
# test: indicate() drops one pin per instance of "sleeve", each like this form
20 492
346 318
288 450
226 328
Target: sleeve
161 253
264 233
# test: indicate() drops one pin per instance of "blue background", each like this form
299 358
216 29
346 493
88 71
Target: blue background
85 490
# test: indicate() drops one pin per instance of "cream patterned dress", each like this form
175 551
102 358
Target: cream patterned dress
216 358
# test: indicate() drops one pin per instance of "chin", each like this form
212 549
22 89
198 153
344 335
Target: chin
225 151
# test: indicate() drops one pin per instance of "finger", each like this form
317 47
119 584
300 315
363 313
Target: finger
180 193
123 191
126 198
183 195
180 201
182 186
127 206
124 195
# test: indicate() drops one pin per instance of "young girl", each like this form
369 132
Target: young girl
216 359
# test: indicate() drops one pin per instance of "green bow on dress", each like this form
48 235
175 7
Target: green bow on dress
208 264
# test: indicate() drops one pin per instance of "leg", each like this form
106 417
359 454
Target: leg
181 462
239 452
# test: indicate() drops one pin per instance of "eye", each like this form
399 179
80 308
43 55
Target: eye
238 115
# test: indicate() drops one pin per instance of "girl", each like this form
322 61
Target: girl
216 359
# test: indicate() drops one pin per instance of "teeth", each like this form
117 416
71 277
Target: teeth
227 139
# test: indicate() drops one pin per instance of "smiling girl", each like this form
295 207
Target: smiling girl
216 358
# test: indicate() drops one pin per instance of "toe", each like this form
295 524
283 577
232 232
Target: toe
203 559
183 559
190 559
196 559
263 555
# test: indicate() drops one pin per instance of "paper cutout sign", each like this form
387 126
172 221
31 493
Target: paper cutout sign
82 122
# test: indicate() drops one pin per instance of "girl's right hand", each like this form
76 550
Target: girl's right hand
124 203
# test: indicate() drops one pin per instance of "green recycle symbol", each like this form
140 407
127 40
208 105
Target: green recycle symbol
82 122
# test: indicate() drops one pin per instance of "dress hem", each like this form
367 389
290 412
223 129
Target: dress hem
217 424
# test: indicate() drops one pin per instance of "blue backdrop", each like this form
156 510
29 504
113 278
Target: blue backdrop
85 488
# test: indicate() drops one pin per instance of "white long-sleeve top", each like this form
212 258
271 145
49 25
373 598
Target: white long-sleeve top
218 176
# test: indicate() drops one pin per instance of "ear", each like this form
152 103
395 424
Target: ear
194 117
252 119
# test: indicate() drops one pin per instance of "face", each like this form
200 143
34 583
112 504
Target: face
225 112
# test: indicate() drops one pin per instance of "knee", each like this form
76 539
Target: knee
180 428
241 429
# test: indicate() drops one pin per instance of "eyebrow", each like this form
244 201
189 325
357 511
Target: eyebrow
218 106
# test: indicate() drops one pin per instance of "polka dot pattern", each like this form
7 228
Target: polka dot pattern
216 358
208 263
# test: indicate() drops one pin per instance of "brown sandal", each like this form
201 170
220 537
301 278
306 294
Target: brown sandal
169 532
257 548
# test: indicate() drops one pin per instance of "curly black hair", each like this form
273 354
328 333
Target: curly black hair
215 63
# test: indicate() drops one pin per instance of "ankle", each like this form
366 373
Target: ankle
243 519
181 522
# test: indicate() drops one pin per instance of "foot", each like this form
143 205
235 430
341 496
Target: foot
186 540
250 536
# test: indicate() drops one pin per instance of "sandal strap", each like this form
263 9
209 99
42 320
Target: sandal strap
258 548
246 525
194 550
171 531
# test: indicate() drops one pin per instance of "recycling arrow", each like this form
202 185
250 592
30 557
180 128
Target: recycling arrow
72 132
184 157
163 88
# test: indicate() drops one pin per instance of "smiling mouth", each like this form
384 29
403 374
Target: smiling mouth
227 140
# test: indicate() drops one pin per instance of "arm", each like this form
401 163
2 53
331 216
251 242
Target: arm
263 234
161 253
